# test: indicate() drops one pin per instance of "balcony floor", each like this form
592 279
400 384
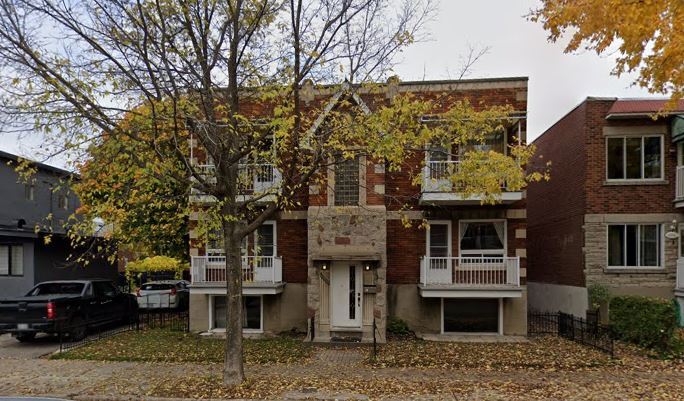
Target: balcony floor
455 198
248 288
469 291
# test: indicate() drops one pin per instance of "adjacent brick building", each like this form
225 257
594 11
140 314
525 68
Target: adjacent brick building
612 209
344 260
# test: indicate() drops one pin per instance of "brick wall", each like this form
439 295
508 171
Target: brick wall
405 247
292 238
556 207
603 198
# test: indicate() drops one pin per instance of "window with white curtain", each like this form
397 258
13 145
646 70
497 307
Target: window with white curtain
483 238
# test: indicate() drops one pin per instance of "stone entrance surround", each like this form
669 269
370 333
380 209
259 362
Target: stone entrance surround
347 234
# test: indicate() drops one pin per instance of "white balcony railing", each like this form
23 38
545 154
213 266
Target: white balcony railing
680 274
680 183
255 269
253 177
470 271
437 176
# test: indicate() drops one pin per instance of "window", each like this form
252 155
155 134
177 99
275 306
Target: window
251 313
439 240
347 182
104 289
634 158
634 245
482 238
464 315
265 240
63 202
57 289
30 192
11 260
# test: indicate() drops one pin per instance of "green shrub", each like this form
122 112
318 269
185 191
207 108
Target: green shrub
398 327
598 295
648 322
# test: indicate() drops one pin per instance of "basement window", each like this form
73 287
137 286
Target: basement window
251 313
463 315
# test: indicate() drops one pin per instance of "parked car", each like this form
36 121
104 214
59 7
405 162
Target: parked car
164 294
69 307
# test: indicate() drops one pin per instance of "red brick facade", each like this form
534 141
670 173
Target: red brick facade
576 147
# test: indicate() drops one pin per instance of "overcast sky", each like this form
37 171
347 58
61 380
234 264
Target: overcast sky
518 47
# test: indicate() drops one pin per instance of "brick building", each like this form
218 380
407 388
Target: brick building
343 259
612 208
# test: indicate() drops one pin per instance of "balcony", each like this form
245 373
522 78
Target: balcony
679 190
437 188
255 179
470 277
260 274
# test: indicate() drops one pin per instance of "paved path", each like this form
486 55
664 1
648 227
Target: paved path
88 380
42 345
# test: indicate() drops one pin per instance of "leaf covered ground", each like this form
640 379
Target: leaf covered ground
160 345
543 368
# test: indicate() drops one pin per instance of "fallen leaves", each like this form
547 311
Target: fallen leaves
160 345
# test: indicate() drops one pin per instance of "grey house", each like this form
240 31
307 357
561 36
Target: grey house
25 258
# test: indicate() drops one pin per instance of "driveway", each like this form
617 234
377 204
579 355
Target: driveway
10 348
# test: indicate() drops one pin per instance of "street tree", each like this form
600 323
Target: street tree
646 35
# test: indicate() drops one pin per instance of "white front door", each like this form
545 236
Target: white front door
346 293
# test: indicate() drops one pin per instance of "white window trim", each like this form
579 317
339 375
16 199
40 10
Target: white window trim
213 329
624 158
11 269
275 237
499 328
449 237
661 256
468 252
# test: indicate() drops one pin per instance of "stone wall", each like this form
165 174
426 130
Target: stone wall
649 282
347 233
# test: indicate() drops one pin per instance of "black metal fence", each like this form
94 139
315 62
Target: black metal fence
82 333
583 331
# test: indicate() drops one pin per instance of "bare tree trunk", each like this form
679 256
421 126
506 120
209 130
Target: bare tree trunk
233 371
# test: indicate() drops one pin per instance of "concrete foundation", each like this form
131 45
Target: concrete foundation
546 297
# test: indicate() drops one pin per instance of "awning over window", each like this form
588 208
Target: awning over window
678 128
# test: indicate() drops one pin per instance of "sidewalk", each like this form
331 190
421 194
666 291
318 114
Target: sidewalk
331 374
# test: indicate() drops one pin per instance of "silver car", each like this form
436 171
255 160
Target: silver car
163 294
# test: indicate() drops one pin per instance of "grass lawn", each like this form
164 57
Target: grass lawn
160 345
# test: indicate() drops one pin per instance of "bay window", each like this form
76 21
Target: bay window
634 245
634 158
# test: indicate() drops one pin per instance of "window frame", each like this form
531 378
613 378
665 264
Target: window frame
661 247
9 260
336 162
485 252
255 245
30 192
449 237
65 199
212 324
642 163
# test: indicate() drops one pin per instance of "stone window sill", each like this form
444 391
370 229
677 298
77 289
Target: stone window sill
610 183
634 270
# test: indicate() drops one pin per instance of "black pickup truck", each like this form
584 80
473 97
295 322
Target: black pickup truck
67 307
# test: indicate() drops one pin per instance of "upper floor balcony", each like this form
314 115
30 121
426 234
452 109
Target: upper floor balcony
260 274
470 277
260 180
438 188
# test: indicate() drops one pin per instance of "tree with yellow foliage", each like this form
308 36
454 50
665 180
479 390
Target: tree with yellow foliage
647 34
